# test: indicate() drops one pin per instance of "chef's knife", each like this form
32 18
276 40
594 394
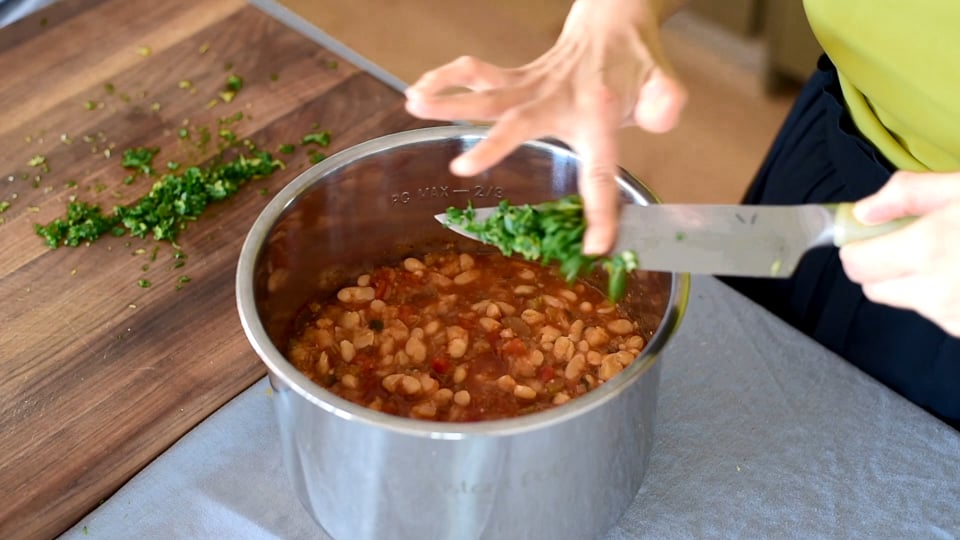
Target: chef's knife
730 240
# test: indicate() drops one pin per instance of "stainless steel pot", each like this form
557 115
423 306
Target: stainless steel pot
569 472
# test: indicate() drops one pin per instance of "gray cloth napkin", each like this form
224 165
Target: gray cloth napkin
761 433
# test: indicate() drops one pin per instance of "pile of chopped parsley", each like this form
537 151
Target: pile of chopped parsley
548 232
179 194
174 201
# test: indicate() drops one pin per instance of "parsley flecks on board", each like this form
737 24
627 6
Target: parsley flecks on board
83 223
322 138
550 231
174 200
140 159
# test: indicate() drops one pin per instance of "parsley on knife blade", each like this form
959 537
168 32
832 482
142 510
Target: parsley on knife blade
550 231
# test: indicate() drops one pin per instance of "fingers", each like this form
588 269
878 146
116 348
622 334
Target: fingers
889 256
515 127
598 187
597 180
660 102
909 194
466 71
662 96
929 296
485 105
899 293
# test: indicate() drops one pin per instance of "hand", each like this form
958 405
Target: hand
917 267
605 71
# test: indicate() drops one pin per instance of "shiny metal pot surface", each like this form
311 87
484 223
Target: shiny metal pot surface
565 473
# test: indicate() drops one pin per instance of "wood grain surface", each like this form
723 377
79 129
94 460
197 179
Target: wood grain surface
98 375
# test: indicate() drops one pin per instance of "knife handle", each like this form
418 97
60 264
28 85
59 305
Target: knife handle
847 228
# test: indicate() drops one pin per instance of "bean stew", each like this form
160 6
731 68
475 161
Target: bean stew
464 337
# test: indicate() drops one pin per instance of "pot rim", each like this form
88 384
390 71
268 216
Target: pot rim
279 367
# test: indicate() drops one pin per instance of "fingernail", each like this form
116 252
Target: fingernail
653 91
414 107
594 243
859 212
460 167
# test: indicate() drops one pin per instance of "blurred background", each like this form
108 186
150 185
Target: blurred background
742 60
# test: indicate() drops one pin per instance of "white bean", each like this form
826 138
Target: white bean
620 326
347 350
457 347
413 264
466 277
416 349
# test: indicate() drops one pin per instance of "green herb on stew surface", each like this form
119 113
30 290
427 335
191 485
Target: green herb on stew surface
144 284
548 232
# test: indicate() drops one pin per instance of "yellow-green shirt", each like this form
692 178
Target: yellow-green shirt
899 68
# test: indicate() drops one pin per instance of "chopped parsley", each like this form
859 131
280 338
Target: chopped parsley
180 198
140 159
174 201
234 83
550 231
322 138
286 149
83 223
143 283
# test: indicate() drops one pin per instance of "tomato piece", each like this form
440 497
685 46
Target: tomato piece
515 347
365 361
440 364
547 373
405 313
380 289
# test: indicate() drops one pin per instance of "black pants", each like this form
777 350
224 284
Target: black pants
819 156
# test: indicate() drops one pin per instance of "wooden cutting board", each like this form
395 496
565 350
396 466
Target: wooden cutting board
97 374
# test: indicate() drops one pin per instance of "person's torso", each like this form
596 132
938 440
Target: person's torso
899 65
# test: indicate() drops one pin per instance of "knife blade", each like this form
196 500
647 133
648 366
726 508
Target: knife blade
729 240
